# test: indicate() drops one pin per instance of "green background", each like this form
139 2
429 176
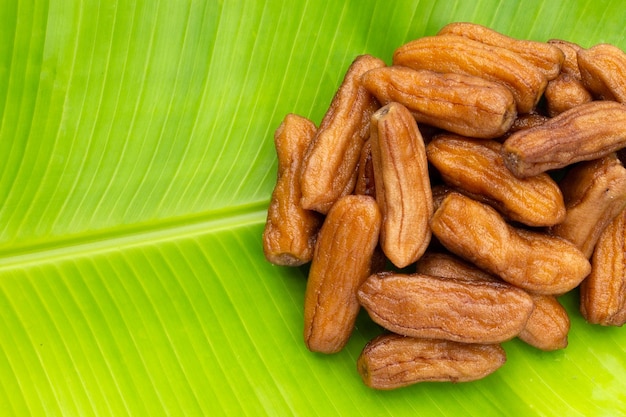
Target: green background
136 165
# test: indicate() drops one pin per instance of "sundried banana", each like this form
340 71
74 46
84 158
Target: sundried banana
564 93
459 103
341 262
392 361
469 311
594 193
547 57
547 326
330 163
586 132
603 71
461 55
402 184
477 168
603 292
528 259
290 231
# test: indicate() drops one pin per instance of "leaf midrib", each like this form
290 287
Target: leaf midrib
136 235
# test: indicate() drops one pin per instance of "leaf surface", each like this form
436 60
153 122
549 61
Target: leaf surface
136 165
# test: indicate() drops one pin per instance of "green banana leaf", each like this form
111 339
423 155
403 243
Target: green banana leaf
136 166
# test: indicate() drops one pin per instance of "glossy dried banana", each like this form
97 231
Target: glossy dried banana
594 193
468 311
330 163
564 93
463 104
603 71
477 167
548 325
570 51
603 292
527 259
586 132
547 57
402 183
341 262
392 361
290 231
546 328
461 55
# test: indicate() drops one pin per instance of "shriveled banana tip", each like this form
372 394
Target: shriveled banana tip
514 163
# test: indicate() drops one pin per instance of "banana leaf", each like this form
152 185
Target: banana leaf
136 166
